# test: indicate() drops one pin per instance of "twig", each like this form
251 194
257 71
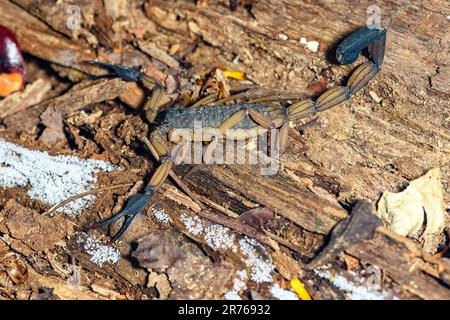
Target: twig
84 194
218 207
233 214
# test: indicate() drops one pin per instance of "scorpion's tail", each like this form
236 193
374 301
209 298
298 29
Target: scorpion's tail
347 52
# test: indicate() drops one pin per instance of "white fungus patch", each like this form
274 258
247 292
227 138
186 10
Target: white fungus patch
217 236
10 178
355 290
50 179
160 215
98 252
261 268
220 237
282 294
193 224
310 45
238 285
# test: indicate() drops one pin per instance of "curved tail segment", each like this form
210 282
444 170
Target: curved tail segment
374 39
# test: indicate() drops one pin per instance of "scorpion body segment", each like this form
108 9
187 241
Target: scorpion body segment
214 116
245 120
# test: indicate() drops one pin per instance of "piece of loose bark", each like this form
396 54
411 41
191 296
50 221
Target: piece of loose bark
80 96
401 259
358 226
29 227
152 50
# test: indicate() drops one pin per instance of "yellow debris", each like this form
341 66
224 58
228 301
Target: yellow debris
238 75
300 289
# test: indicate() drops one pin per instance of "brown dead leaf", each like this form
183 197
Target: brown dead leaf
257 217
350 262
198 279
52 119
157 252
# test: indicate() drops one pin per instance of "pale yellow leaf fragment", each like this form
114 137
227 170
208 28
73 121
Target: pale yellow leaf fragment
405 212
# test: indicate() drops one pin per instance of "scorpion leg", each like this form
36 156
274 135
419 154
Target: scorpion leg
209 99
209 152
152 104
233 120
261 119
138 202
161 173
281 135
224 127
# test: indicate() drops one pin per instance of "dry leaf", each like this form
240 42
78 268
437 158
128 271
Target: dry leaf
157 252
257 217
405 212
351 263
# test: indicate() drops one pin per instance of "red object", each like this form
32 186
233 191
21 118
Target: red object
12 67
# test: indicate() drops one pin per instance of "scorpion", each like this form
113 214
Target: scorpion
236 121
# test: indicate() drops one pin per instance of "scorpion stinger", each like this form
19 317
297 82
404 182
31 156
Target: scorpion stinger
373 38
237 121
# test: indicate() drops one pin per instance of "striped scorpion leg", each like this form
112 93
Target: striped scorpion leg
347 52
281 124
259 118
138 202
223 127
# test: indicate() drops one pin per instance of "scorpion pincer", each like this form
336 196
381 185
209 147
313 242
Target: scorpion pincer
238 121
